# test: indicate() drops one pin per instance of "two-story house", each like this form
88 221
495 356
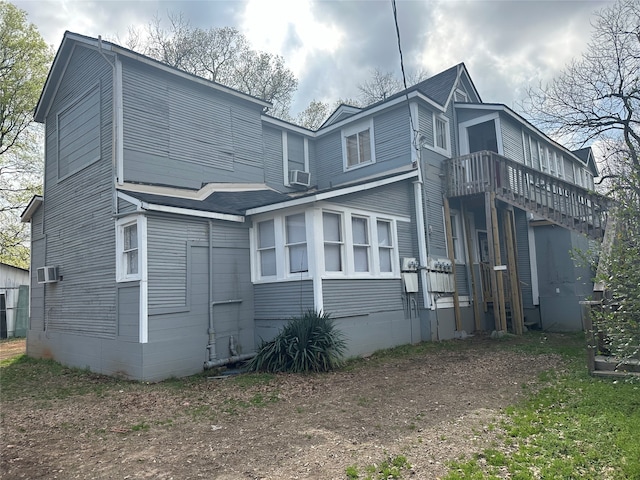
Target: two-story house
181 224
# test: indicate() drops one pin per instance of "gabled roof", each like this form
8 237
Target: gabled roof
30 209
343 111
586 155
71 40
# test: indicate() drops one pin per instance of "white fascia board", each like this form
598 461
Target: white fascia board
33 205
331 194
201 194
288 126
382 106
152 207
57 86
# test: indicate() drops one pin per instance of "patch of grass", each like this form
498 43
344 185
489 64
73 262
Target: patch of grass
574 427
138 427
391 468
248 380
24 377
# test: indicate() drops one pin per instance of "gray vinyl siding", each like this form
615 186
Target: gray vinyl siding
167 250
393 199
462 280
343 298
329 153
434 224
128 312
126 207
272 148
511 140
392 143
277 301
79 133
36 292
425 117
78 211
523 265
175 129
568 170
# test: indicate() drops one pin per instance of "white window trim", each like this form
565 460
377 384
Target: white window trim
463 134
461 92
353 129
285 157
121 267
447 131
315 246
459 248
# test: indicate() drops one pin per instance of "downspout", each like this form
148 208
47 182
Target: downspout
211 347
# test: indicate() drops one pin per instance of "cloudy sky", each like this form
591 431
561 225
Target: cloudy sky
331 46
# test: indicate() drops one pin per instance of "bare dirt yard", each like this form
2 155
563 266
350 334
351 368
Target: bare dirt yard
431 404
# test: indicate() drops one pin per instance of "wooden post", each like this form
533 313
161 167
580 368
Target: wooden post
476 299
498 261
489 199
452 257
514 282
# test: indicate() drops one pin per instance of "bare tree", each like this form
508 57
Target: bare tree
222 55
382 85
596 99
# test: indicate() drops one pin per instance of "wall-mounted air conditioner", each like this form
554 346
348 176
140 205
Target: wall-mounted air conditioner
298 177
47 274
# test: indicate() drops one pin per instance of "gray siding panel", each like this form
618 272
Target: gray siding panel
357 297
329 149
129 313
272 147
186 132
393 199
511 140
392 136
524 266
276 301
78 212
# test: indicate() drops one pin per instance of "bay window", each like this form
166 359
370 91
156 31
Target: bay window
333 241
360 232
267 248
296 243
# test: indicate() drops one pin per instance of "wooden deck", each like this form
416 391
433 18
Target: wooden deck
551 198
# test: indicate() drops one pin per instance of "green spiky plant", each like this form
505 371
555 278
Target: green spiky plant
310 343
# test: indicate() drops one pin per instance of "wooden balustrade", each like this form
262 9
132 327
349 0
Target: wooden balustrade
551 198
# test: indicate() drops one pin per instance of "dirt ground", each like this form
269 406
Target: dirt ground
432 407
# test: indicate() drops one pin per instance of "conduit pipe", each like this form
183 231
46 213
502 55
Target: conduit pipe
226 361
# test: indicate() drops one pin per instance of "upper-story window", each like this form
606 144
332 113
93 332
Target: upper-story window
358 145
441 141
460 96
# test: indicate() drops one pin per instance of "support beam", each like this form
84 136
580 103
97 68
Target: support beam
452 257
474 283
514 282
489 199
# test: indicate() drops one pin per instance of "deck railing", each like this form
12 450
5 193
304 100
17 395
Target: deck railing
554 199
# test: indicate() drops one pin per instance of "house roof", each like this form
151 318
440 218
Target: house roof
70 40
229 203
31 208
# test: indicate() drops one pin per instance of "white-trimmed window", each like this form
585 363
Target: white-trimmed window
385 246
441 134
130 233
333 242
544 158
456 236
460 96
361 245
296 244
267 249
358 145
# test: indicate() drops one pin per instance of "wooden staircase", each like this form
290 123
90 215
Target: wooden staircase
547 197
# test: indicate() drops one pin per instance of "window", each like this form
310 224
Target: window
353 243
460 96
333 241
385 246
129 245
296 243
360 232
267 248
357 145
456 236
544 158
441 142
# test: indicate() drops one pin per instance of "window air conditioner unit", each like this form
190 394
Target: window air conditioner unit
47 274
298 177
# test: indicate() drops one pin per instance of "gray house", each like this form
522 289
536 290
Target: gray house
180 223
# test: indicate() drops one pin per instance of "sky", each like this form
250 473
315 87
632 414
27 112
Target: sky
332 46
